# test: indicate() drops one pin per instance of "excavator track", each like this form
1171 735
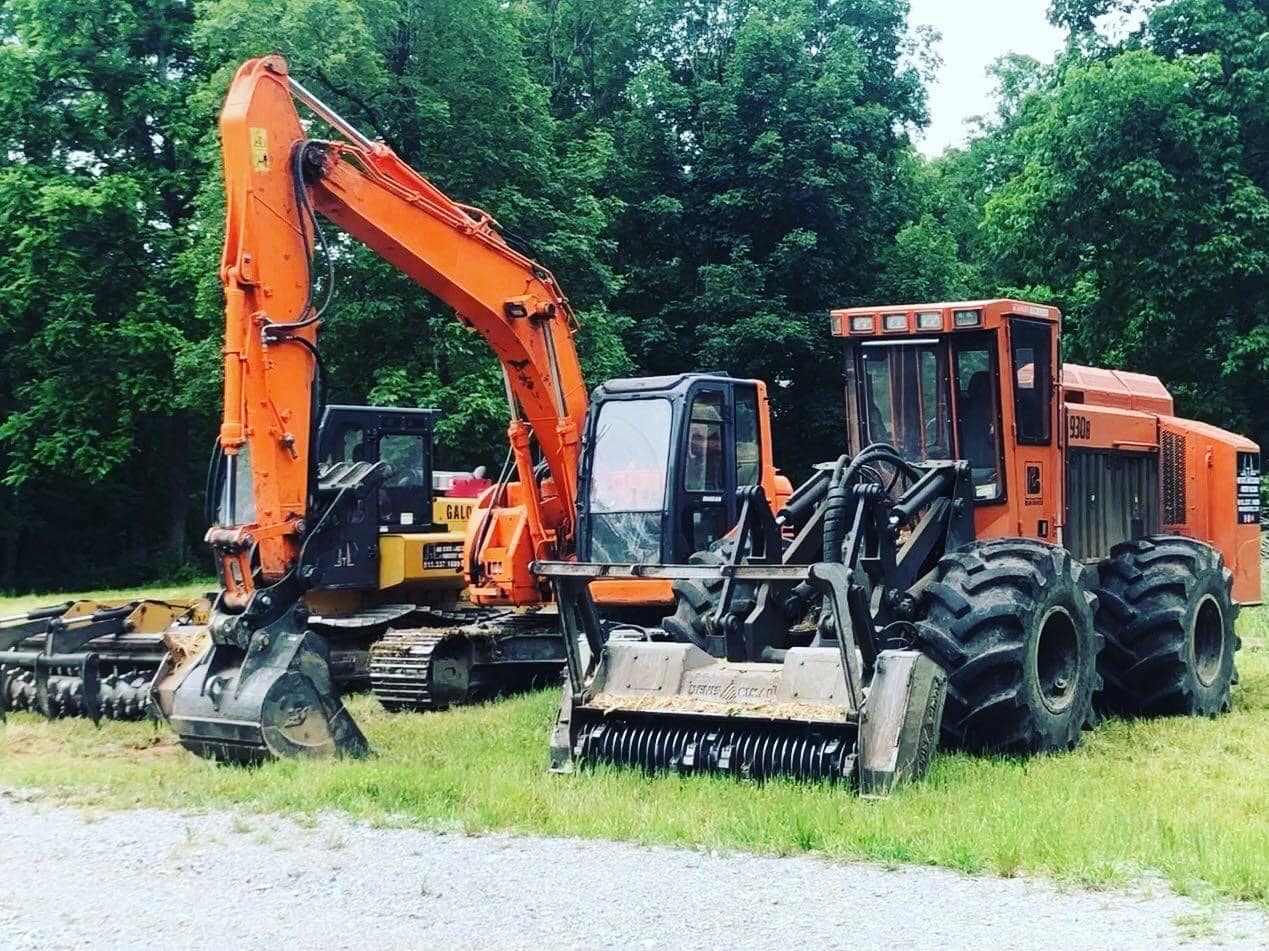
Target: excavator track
432 668
401 669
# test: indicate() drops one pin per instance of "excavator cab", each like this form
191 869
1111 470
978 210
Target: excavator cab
399 437
663 460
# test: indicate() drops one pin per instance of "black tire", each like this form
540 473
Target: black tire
1167 613
694 603
1011 621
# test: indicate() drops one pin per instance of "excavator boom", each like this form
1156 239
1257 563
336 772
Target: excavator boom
278 180
264 686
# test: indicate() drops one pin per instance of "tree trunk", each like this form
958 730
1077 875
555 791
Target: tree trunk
178 487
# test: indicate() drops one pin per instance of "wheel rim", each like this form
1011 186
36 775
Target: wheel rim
1208 637
1057 660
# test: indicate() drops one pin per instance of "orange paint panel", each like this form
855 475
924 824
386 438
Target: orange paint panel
1206 460
1103 427
1116 388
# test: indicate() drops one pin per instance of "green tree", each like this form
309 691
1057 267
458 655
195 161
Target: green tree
434 79
925 264
96 210
1132 203
758 149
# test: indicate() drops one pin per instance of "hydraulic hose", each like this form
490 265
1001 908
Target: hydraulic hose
837 503
836 512
212 485
486 522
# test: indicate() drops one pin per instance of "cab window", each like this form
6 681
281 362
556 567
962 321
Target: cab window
627 480
1032 390
747 453
404 455
346 444
704 469
976 426
905 398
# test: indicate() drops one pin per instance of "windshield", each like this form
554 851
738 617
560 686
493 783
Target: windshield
632 447
627 484
905 398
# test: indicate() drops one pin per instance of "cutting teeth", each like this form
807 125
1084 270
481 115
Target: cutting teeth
123 695
752 751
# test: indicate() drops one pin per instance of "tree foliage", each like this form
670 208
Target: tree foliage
96 213
1135 198
706 178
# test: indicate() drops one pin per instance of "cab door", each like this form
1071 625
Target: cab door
405 501
1032 369
706 481
719 451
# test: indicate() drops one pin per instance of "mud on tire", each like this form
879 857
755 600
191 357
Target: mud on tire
1167 614
1011 620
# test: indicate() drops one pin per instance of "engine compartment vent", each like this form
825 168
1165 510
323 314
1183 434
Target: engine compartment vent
1174 448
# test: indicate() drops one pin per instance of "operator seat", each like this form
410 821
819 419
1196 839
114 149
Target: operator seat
976 426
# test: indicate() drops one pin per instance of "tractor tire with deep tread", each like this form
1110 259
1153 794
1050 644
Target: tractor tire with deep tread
1011 621
695 601
1167 613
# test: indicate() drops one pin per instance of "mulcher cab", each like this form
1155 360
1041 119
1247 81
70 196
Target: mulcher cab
1009 545
283 531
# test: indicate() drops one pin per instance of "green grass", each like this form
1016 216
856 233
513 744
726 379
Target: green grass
1188 799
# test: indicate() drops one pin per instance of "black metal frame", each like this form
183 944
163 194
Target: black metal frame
889 550
680 391
62 650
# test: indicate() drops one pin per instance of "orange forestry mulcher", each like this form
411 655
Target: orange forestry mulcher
1006 543
645 469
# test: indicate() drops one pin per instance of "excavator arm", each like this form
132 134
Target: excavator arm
278 181
261 684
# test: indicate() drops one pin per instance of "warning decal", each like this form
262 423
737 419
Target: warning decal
259 149
1248 493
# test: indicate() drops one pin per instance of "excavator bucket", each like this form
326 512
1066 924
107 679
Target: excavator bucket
272 698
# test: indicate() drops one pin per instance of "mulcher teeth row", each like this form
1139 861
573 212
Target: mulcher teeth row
754 752
122 695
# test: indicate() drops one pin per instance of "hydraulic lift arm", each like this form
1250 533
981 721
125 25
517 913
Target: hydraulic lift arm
278 180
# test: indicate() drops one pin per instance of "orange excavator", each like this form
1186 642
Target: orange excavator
647 470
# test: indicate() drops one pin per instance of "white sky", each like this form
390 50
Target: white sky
975 33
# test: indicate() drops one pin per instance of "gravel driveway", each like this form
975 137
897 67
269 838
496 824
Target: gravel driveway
152 878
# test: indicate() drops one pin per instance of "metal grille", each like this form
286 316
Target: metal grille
1173 479
1110 497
